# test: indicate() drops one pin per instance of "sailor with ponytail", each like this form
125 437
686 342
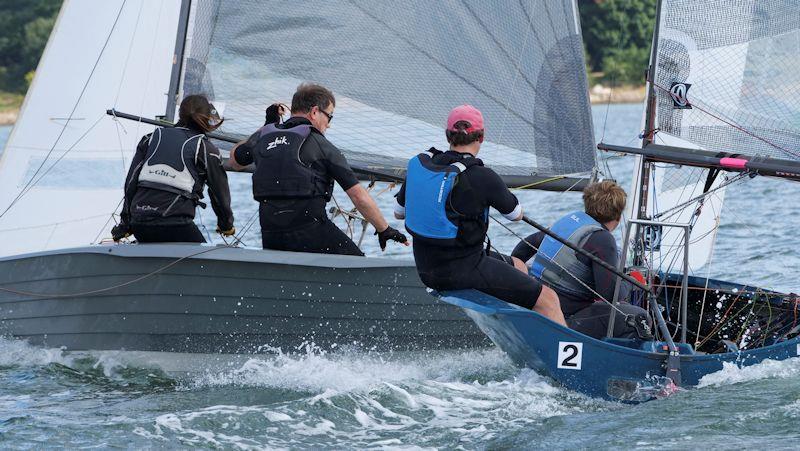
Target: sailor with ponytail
165 180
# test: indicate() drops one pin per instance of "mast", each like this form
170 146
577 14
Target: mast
177 60
647 138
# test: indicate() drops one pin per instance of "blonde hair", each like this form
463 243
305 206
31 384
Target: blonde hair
604 201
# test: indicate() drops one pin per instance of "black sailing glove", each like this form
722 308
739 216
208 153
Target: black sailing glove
390 234
120 231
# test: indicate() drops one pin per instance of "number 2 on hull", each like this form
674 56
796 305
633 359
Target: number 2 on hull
570 355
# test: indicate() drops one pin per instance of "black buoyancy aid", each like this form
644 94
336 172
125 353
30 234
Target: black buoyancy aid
280 174
429 214
557 265
170 163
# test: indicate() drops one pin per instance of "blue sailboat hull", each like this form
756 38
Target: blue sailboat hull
617 369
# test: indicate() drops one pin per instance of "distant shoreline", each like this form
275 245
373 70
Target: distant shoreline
10 103
8 117
598 94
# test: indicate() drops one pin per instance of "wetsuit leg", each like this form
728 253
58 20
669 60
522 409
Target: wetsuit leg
503 281
593 320
184 233
491 275
320 237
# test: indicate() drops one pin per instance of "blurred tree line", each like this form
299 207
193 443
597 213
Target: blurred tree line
25 26
617 35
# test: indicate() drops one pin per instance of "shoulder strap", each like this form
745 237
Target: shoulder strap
433 151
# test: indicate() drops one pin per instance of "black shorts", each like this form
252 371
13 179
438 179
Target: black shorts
321 237
183 233
494 274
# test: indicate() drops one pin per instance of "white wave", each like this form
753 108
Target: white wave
21 353
732 374
419 401
318 371
114 365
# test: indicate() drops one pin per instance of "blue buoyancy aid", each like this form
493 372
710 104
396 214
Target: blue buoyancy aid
557 265
428 189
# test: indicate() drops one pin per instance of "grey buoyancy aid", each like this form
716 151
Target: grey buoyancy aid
280 174
557 265
170 163
428 189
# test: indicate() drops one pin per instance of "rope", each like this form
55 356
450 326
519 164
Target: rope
708 275
102 290
540 182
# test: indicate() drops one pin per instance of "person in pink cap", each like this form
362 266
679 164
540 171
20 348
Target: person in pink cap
445 202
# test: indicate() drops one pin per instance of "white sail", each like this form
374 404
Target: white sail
63 168
672 189
724 80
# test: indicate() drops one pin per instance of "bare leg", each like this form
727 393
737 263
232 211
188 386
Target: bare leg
520 265
549 306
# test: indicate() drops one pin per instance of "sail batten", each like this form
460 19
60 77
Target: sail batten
397 70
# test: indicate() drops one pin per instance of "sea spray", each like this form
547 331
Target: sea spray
364 398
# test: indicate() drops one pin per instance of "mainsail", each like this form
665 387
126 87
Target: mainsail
62 171
724 80
396 75
397 69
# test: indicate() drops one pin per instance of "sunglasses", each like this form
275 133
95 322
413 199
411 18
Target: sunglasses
328 115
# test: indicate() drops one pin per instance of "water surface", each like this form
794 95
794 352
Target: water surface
470 399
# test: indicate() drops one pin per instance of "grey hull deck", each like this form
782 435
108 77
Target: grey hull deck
204 299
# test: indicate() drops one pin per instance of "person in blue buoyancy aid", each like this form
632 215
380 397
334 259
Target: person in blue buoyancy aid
295 167
576 278
445 202
166 178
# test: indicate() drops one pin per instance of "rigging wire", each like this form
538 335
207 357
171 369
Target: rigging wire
246 228
203 224
26 188
613 81
730 181
111 217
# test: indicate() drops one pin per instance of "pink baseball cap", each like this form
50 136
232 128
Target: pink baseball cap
466 113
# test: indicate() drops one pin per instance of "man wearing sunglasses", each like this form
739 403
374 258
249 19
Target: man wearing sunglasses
293 180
